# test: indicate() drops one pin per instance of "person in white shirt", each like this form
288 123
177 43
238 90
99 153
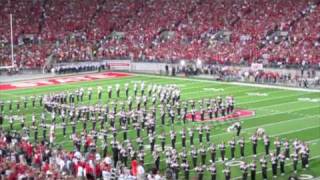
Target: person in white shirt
140 172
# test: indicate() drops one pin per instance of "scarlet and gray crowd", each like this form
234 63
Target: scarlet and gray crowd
99 151
98 29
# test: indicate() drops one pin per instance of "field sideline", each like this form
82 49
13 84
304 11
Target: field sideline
282 112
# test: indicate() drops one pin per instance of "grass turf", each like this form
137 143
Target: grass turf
278 111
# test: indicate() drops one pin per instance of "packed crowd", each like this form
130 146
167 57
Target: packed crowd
99 151
220 31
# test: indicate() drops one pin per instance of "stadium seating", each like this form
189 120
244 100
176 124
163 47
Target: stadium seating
237 32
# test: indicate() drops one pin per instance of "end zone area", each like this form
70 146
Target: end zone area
61 80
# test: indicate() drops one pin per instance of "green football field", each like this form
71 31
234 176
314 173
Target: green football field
281 112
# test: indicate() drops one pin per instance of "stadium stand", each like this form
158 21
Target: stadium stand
237 32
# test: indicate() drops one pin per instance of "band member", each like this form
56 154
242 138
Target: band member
223 110
137 126
227 172
216 111
35 131
25 102
193 115
264 168
33 100
171 115
282 159
266 142
138 102
200 172
183 137
241 143
156 158
286 149
253 170
306 147
127 89
76 141
222 148
84 123
231 103
254 141
207 129
73 126
1 106
203 154
304 158
202 112
139 141
125 131
142 88
191 135
102 119
145 101
11 122
200 131
64 128
173 139
10 105
174 166
52 134
277 144
123 155
274 164
186 168
213 170
232 145
23 121
94 123
178 107
162 138
44 131
244 167
114 132
18 106
40 98
210 112
135 89
99 93
104 146
1 118
162 116
115 152
212 149
295 159
109 92
152 141
237 126
129 103
118 90
194 155
154 100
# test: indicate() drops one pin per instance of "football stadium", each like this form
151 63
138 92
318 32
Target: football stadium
160 89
